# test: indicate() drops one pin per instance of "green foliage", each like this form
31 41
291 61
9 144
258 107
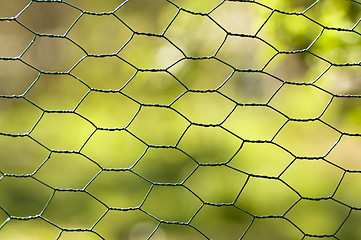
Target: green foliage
181 119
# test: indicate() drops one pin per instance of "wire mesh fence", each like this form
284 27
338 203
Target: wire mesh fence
171 119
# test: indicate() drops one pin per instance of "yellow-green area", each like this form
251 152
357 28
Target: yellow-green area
179 119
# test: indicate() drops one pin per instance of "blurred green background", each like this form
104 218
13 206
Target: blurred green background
180 119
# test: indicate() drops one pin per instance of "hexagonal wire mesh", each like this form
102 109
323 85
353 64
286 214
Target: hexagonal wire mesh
171 119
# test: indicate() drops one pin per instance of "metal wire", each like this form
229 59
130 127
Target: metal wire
171 180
